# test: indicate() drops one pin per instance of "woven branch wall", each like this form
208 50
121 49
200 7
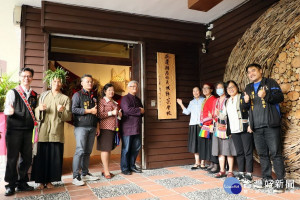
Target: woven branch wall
273 42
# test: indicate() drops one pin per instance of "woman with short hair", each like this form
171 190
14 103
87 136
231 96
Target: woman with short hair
109 113
238 127
194 109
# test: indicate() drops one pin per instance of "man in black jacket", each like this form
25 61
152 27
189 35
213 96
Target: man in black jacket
262 97
84 109
19 104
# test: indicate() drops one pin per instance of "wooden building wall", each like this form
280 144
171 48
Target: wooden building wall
165 140
102 23
227 30
33 46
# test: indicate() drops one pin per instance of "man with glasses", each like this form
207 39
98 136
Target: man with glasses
131 124
262 97
84 109
19 105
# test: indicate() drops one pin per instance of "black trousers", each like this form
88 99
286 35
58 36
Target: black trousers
19 144
243 143
268 145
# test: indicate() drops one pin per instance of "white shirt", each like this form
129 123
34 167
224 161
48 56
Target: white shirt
194 109
233 115
10 99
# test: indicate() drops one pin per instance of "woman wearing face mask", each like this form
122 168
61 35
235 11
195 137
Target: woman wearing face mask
222 143
194 109
206 123
237 126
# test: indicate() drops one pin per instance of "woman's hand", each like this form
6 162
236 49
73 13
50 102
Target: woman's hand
98 129
179 101
249 130
120 113
114 112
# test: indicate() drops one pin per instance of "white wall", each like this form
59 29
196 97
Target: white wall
10 37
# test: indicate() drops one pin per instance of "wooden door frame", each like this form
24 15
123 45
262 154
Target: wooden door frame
138 69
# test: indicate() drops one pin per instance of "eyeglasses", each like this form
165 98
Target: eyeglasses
206 88
26 76
231 88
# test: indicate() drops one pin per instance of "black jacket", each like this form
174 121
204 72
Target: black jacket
264 112
82 100
22 119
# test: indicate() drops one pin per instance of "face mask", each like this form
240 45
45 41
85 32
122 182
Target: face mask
220 91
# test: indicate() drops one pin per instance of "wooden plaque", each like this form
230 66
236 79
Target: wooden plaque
166 86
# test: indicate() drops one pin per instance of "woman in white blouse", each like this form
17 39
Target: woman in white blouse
238 127
194 109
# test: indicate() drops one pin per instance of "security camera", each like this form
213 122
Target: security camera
210 26
208 35
130 46
203 48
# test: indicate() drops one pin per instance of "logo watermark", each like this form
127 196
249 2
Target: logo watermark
232 186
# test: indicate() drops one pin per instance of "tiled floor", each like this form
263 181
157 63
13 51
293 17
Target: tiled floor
169 183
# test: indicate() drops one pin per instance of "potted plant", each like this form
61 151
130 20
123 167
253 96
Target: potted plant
5 85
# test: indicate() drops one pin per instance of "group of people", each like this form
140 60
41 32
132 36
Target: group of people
233 123
220 129
41 121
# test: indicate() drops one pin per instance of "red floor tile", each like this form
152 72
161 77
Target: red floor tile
137 196
173 197
184 189
161 193
152 187
81 192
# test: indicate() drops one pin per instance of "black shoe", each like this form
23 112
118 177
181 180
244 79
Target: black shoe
195 167
209 167
136 170
9 191
279 186
215 169
240 176
24 187
126 172
203 167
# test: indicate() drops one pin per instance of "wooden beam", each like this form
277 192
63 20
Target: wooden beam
202 5
89 59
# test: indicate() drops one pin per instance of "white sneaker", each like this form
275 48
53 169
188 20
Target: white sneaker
89 177
77 181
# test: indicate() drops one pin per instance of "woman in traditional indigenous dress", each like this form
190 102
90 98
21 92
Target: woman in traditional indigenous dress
194 109
238 127
54 108
206 123
222 142
109 113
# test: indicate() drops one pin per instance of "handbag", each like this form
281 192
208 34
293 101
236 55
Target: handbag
205 131
116 140
221 129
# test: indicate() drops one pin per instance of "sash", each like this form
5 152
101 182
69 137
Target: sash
20 90
220 125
